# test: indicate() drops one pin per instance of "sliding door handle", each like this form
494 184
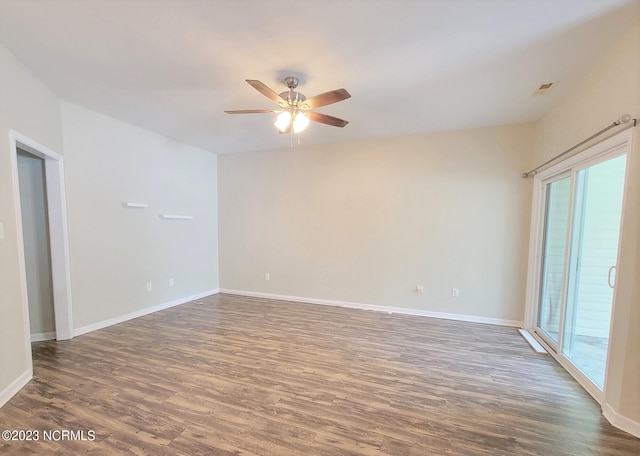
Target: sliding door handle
611 269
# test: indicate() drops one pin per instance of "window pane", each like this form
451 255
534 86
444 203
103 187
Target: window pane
553 265
594 251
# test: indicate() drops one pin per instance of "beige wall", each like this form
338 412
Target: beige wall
611 89
367 221
114 250
28 107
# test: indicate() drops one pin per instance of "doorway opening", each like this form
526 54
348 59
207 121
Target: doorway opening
36 244
29 155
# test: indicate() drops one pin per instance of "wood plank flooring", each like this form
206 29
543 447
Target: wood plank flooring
233 375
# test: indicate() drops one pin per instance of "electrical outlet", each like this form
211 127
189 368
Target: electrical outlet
149 286
455 292
267 276
419 289
170 282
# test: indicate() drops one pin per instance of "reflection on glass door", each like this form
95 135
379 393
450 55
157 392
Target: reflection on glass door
553 265
594 254
580 252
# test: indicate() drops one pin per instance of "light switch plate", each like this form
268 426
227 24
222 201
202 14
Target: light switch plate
1 230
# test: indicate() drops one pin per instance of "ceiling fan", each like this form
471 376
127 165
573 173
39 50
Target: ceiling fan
296 110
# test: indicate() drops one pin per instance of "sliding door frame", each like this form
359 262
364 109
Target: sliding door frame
544 187
610 147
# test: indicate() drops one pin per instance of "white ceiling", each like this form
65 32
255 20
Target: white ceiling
411 66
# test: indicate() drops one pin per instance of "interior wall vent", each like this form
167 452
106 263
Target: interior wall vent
544 88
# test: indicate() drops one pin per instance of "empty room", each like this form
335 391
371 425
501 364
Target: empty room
358 227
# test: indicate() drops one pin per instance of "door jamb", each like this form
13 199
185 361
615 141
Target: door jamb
58 233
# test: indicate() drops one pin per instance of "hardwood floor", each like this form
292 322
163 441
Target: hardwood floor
246 376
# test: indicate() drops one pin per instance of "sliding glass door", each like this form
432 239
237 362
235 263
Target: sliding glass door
583 210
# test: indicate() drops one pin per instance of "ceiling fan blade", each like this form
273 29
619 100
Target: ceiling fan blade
252 111
267 92
325 99
329 120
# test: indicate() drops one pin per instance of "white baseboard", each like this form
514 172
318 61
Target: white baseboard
140 313
15 386
621 422
39 337
376 308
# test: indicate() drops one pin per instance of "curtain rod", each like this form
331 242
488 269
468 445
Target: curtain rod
623 119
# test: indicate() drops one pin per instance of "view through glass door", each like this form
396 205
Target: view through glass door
555 246
580 252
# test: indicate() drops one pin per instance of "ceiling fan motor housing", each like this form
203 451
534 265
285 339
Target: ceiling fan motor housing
292 97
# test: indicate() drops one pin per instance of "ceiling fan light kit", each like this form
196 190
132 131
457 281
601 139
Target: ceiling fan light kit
283 120
300 122
296 110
